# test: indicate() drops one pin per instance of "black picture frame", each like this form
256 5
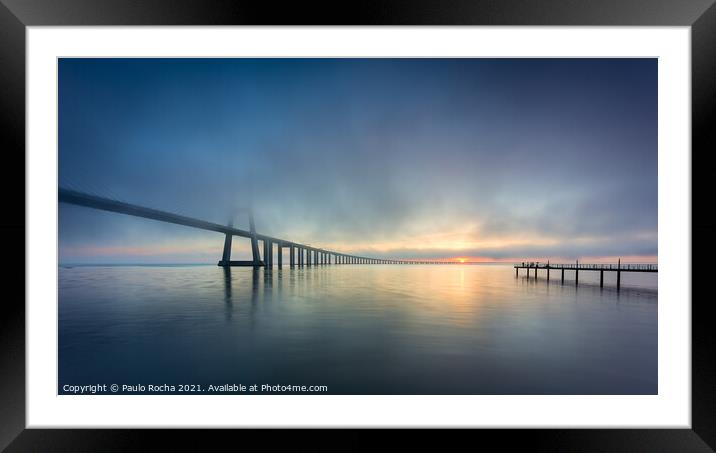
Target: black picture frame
16 15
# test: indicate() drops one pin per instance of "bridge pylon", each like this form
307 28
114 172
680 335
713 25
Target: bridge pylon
226 256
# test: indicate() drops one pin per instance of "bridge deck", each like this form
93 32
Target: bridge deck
314 255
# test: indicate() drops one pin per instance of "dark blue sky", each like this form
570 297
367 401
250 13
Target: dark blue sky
498 158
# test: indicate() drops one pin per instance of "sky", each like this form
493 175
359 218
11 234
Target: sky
485 159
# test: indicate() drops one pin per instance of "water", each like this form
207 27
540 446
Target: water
371 329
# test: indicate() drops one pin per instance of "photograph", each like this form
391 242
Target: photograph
473 218
357 226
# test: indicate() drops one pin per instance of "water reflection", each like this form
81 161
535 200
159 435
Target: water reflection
359 329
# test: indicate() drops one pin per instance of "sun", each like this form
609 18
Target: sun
462 260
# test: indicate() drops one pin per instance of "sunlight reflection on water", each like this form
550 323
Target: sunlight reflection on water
381 329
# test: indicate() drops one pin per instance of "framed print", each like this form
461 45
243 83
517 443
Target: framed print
241 218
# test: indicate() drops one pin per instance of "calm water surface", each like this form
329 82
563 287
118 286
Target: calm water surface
371 329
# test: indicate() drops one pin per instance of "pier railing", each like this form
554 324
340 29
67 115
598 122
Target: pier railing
597 267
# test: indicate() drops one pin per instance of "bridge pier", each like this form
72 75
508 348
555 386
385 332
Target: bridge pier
279 254
292 256
254 241
226 256
266 252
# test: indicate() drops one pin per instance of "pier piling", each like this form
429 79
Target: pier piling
576 274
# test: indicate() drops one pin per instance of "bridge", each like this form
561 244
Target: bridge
299 254
576 267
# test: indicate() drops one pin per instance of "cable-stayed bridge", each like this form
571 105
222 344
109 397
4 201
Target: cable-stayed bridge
299 254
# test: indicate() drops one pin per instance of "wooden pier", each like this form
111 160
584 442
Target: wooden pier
576 267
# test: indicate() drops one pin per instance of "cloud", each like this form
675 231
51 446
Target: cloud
489 157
